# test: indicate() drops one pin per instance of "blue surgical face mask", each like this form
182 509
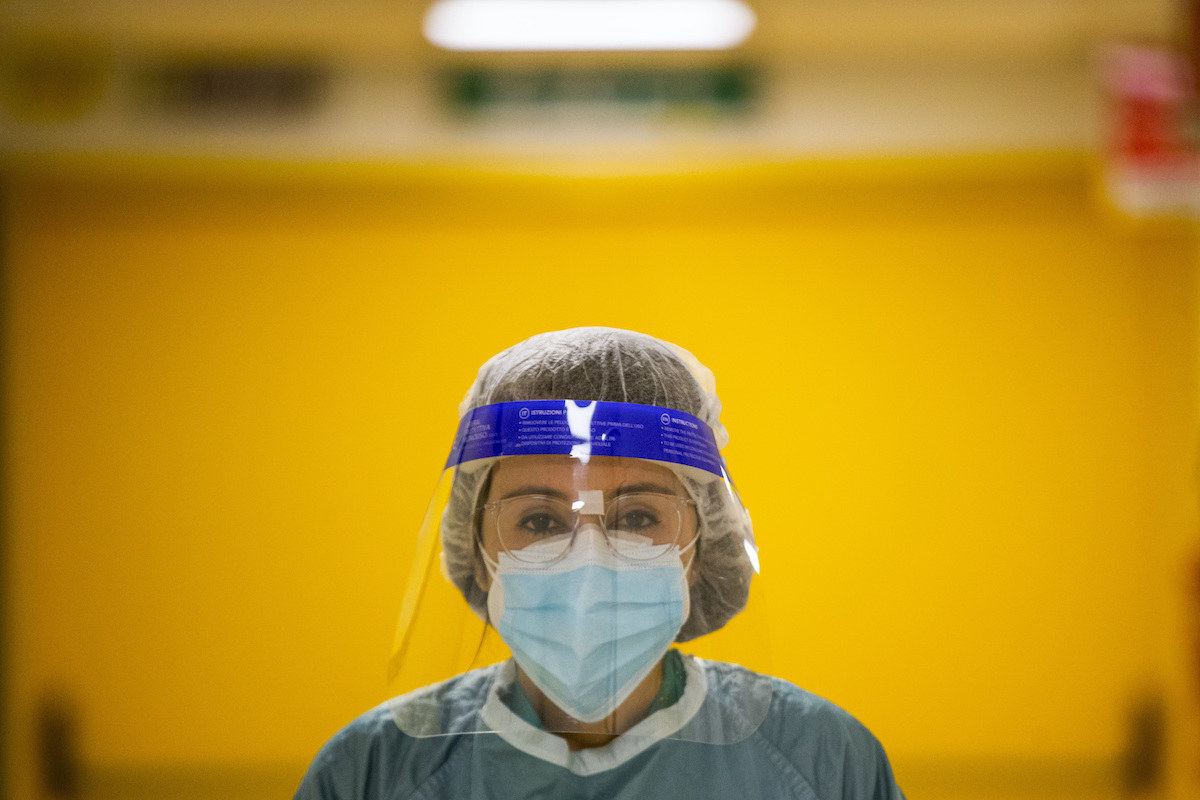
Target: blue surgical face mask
589 627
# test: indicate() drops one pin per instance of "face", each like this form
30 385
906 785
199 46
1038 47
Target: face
566 477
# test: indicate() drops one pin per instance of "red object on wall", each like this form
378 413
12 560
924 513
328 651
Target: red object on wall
1152 164
1149 93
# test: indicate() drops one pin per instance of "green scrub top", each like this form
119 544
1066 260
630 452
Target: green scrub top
805 748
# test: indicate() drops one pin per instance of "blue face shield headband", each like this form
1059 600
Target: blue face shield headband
582 430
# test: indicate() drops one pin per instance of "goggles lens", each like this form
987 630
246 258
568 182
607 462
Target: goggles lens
537 528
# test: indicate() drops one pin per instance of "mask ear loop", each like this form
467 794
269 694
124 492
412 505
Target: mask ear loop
692 546
485 487
488 564
491 564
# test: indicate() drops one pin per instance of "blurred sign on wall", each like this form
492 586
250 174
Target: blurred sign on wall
54 82
1152 163
233 88
613 90
317 106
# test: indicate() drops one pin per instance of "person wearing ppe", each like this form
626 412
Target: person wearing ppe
586 515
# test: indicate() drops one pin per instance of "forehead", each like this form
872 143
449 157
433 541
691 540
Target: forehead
565 473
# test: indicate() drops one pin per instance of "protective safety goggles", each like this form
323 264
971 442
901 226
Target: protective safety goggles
540 529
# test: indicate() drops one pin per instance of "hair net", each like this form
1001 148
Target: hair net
610 364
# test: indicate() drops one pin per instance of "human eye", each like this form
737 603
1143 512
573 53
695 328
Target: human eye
542 523
636 521
636 514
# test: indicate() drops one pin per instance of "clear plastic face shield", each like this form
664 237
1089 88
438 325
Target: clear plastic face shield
579 543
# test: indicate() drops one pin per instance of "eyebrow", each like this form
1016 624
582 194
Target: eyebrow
628 488
644 487
546 490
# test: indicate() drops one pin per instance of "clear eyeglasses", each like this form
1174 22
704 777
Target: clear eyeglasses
536 528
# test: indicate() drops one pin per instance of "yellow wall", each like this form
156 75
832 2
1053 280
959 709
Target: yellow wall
960 405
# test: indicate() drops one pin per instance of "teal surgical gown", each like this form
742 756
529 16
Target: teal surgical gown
804 748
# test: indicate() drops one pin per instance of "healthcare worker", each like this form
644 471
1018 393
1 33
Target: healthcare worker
586 515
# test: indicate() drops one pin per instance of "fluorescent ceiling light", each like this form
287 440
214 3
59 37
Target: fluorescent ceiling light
489 25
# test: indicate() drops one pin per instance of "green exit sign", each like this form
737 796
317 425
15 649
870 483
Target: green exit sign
727 89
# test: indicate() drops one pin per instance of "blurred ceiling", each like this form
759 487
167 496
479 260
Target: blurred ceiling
842 29
834 78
